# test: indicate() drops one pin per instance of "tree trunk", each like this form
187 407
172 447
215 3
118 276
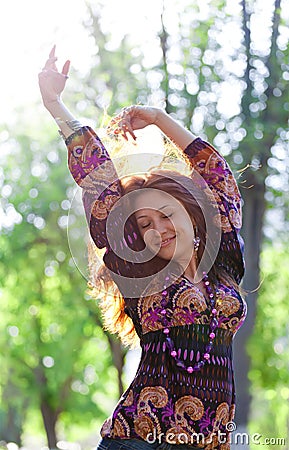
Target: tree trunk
253 211
11 428
253 194
49 417
117 352
14 416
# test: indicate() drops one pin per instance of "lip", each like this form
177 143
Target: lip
167 242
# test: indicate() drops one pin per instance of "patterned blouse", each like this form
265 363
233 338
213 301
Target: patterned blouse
165 403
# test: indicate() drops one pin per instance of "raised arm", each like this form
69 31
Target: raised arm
88 160
51 84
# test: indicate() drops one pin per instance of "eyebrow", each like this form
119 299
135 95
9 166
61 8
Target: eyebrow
159 209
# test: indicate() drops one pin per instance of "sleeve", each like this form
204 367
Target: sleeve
216 173
92 168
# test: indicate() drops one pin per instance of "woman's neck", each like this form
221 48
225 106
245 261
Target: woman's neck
191 269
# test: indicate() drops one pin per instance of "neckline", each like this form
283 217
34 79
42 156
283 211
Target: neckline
193 284
199 290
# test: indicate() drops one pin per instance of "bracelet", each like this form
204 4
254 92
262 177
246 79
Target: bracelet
74 125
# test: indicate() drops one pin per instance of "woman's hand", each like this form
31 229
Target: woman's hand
136 117
51 81
133 118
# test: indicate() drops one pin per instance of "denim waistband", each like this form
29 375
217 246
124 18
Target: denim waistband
138 444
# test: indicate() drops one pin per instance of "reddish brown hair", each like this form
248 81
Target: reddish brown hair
180 187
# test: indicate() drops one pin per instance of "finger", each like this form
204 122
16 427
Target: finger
126 129
129 129
50 63
123 133
126 124
121 129
66 68
52 52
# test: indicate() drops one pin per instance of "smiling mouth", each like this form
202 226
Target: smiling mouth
167 242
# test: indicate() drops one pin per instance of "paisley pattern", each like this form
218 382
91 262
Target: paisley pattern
163 401
150 312
101 209
188 305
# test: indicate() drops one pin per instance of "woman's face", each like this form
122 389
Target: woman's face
165 225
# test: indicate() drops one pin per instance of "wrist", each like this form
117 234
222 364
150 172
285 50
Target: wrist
52 104
66 122
160 116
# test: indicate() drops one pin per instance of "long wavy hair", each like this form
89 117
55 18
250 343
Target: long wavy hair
102 286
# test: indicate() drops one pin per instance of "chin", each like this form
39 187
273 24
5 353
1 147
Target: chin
167 256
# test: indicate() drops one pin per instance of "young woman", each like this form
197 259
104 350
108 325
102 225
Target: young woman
173 249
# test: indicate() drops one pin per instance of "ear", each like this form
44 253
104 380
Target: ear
195 228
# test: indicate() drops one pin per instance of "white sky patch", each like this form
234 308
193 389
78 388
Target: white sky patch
29 28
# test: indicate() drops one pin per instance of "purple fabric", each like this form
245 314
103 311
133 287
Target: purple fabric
163 400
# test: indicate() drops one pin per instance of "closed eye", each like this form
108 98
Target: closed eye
167 216
145 226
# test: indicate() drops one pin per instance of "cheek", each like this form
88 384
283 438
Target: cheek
151 237
185 229
152 240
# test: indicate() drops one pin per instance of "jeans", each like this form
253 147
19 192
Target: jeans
136 444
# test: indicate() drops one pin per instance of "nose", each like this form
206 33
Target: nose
156 233
161 226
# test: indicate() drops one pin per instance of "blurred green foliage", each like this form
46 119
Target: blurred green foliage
269 348
54 355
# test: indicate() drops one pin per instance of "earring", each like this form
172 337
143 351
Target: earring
196 242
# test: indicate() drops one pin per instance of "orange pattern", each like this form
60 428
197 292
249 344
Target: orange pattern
187 408
163 399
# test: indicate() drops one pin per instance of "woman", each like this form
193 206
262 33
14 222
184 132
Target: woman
173 249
